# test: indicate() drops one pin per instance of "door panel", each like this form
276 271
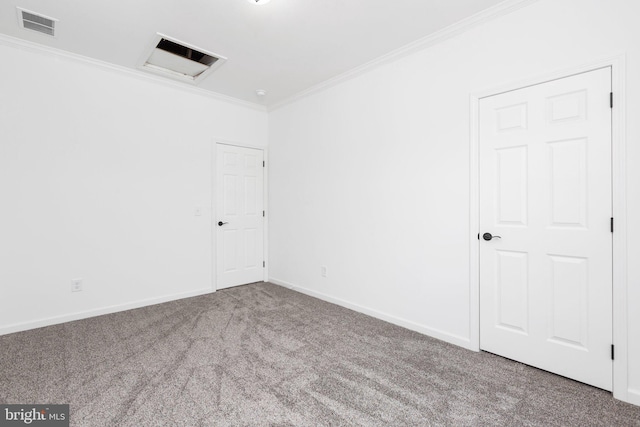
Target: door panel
545 189
568 182
512 186
512 292
239 206
568 315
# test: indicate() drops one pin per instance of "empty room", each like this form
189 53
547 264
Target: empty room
320 213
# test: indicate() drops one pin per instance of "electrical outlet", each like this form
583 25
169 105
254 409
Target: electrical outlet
198 211
76 285
323 271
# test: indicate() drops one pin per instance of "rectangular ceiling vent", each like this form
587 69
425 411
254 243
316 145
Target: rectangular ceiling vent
36 22
181 61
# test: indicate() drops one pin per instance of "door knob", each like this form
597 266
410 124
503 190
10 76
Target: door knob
488 236
220 223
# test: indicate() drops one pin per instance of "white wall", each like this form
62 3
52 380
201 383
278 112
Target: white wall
100 174
371 177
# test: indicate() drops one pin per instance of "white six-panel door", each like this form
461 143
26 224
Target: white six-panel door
545 189
240 220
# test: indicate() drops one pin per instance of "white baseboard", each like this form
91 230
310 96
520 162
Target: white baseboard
633 396
49 321
408 324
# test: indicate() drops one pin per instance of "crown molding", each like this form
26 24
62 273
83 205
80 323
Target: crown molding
451 31
439 36
38 48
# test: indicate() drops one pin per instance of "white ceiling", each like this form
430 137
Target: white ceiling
284 47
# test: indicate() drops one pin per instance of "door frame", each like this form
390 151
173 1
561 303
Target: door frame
618 153
214 213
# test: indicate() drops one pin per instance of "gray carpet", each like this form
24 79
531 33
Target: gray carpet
262 355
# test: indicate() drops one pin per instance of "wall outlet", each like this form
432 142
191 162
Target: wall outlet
76 285
198 211
323 271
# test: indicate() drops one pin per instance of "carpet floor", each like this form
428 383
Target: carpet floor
261 355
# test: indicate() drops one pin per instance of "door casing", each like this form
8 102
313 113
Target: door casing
618 152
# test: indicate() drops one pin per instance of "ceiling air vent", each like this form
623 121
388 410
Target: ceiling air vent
36 22
181 61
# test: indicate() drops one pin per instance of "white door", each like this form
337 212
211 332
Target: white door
545 189
240 216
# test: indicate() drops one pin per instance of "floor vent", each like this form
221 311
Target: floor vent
181 61
36 22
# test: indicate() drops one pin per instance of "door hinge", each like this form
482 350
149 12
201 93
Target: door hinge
263 163
264 264
612 225
263 213
611 99
612 352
